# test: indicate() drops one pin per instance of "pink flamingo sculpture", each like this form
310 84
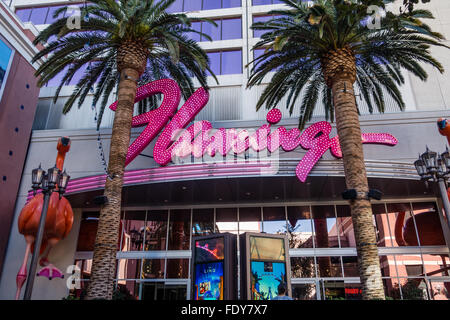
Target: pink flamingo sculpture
58 224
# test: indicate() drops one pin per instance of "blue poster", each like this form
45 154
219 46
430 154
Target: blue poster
208 281
266 277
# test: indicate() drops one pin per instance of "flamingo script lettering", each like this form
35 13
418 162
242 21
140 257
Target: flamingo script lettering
200 138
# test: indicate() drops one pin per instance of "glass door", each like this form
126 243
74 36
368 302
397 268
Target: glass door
305 290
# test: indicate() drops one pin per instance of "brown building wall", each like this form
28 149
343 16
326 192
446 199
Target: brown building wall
17 110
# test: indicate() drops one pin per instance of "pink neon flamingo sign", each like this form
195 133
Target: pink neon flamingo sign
200 139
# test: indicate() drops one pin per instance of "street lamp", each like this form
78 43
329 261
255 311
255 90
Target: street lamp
432 167
47 182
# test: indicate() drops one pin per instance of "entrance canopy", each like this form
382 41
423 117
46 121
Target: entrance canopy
251 189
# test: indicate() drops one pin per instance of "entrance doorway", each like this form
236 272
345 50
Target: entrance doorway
161 291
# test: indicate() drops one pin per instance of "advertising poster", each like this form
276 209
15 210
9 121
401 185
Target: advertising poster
265 279
208 283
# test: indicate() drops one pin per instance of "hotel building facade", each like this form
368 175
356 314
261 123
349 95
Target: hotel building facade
164 207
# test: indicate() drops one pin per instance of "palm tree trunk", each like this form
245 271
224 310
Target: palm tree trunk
103 271
349 131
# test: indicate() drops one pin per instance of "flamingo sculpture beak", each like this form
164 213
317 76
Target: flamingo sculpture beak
442 123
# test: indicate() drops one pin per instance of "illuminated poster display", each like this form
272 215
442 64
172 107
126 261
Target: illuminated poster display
209 281
265 278
264 261
209 249
214 267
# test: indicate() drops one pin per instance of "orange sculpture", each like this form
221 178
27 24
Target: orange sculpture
58 224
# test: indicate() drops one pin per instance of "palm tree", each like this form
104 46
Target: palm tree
321 52
119 41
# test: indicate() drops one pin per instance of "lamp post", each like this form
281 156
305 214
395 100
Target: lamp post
432 167
48 182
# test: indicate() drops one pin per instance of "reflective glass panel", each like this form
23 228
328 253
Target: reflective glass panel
153 268
24 14
329 267
274 219
51 12
179 229
401 225
345 227
192 5
177 6
232 62
127 290
231 3
428 224
175 292
302 267
212 4
231 29
195 36
202 222
177 268
440 290
128 268
258 33
250 219
214 59
304 291
334 290
350 266
324 223
38 15
156 230
134 229
211 30
300 230
261 2
226 220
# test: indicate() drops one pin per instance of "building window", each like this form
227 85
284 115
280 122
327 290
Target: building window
156 230
192 5
24 14
40 15
196 5
51 12
202 222
226 29
6 54
259 33
226 62
179 229
300 231
265 2
177 6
